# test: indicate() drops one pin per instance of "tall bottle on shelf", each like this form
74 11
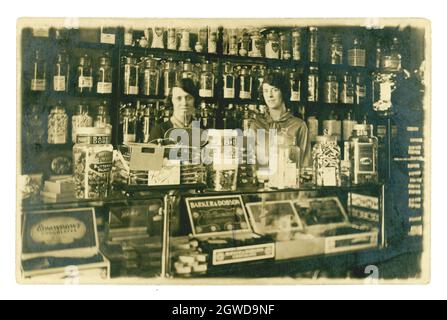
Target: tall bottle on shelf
313 85
61 75
188 71
245 83
229 81
151 77
336 50
207 80
313 45
128 124
104 75
38 80
102 119
131 75
295 85
169 76
331 88
347 90
84 75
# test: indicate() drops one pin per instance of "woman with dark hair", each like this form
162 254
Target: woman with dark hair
275 91
184 99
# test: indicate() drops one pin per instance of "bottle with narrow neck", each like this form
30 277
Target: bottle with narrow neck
295 86
151 77
102 119
207 80
104 75
131 74
229 80
313 44
84 76
169 76
188 71
61 74
245 83
38 80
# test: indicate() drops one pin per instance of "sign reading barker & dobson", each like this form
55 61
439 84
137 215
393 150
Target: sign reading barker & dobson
217 215
59 233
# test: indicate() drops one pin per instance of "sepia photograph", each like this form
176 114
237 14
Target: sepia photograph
223 151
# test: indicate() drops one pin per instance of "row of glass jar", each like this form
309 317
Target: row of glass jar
87 79
82 118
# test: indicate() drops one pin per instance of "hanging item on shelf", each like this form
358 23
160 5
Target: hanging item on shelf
331 88
207 80
357 54
363 155
295 86
347 94
57 125
312 85
245 83
169 76
272 46
313 45
61 75
104 75
158 38
257 44
185 40
81 119
151 77
336 50
326 162
131 74
38 80
84 76
229 81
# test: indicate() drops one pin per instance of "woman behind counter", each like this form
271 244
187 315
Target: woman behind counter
184 98
276 93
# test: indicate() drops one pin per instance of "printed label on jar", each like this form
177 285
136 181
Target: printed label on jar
312 89
356 57
104 87
365 158
385 92
133 90
38 84
229 93
85 82
245 95
59 83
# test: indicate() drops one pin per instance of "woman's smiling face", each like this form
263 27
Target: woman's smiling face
272 96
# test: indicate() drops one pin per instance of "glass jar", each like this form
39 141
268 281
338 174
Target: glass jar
158 39
313 85
92 164
207 80
151 77
360 89
392 62
245 83
256 44
326 162
169 76
172 39
212 41
363 155
296 44
229 80
258 79
313 45
129 124
61 75
188 71
84 76
131 74
347 90
348 127
57 125
38 80
272 46
312 124
357 54
331 89
128 37
244 43
102 119
295 86
185 40
81 119
336 50
382 90
34 125
146 124
104 75
284 41
233 43
332 126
